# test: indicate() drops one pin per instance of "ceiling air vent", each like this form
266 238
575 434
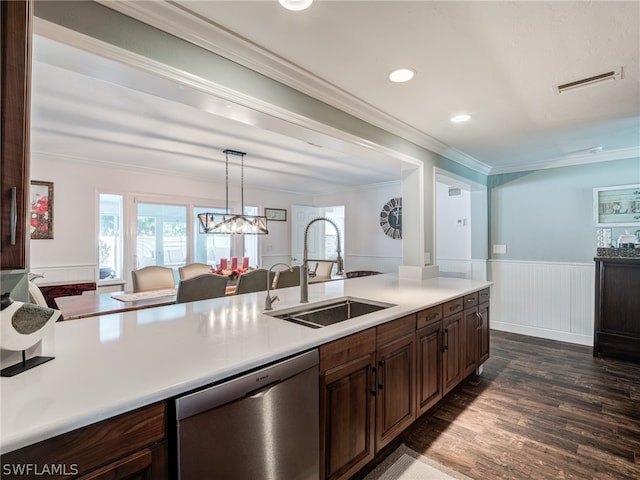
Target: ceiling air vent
590 81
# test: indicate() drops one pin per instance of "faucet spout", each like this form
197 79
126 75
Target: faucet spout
304 269
268 302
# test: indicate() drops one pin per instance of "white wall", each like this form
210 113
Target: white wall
366 245
453 232
72 254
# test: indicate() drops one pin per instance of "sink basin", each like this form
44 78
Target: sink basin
322 314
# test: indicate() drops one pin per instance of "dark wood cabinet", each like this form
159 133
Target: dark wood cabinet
16 19
484 330
347 404
452 344
130 446
617 308
396 378
429 366
470 325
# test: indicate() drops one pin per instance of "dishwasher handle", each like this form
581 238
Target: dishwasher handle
249 384
262 391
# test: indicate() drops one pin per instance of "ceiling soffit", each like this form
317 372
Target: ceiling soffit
174 19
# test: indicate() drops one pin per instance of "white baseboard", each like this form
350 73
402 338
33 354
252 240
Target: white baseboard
543 333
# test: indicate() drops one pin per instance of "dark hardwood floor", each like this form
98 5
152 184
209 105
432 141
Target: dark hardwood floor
541 410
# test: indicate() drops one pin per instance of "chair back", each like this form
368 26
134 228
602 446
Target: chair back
323 269
286 278
253 281
153 277
36 296
202 287
193 270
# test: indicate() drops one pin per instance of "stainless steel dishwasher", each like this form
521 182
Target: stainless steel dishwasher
262 425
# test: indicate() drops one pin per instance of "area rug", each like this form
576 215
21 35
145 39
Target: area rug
405 464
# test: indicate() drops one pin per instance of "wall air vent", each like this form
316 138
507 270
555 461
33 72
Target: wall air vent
590 81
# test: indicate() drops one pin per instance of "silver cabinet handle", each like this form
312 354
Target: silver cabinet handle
14 215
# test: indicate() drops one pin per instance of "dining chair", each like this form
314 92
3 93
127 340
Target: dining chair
36 296
153 277
286 278
193 270
202 287
323 269
254 281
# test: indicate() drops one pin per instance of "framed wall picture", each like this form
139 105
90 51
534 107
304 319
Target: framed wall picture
41 210
276 214
617 206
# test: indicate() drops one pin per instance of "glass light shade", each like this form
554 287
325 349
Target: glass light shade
229 224
295 5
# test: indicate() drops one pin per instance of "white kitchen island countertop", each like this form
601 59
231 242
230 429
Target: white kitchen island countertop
112 364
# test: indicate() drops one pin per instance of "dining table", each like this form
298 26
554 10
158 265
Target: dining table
89 305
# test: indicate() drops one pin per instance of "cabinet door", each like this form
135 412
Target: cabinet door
396 379
429 366
483 333
452 334
15 78
470 343
147 464
347 413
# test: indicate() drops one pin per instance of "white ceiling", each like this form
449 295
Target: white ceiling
497 61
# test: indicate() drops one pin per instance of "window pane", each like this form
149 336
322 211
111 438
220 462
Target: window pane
110 241
251 241
161 235
209 248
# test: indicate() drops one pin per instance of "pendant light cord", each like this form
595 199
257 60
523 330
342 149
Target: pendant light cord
226 206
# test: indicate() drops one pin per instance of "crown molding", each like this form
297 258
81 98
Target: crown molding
178 21
581 158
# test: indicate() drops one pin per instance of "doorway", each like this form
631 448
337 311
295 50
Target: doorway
322 238
460 227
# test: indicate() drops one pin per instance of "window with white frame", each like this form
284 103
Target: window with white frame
110 238
163 234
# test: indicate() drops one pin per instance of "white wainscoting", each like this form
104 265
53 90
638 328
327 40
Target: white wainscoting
61 274
473 269
550 300
377 263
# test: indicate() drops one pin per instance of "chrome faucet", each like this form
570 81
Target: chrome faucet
304 269
268 302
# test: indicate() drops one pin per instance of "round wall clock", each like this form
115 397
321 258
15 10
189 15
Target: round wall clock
391 218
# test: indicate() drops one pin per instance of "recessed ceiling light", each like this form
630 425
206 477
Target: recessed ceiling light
463 117
400 75
295 5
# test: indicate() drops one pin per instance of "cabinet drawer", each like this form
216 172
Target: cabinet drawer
484 295
453 306
429 316
395 329
346 349
470 300
92 446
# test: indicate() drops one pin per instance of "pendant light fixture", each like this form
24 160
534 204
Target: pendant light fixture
228 223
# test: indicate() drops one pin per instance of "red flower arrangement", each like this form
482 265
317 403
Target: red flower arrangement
40 216
232 274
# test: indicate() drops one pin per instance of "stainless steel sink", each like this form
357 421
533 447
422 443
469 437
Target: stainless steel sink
322 314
